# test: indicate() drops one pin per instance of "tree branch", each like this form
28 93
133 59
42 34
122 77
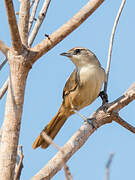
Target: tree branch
66 29
108 164
36 2
24 21
19 164
39 21
126 125
3 63
105 114
68 175
124 100
111 43
4 88
32 2
16 41
3 48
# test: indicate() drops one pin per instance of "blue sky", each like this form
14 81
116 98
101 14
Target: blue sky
46 81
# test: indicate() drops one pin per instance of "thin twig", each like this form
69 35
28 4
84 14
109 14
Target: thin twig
19 164
68 175
39 21
3 48
111 43
32 2
4 88
126 125
35 5
3 63
108 164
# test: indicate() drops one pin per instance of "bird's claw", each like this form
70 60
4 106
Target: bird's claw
104 97
92 122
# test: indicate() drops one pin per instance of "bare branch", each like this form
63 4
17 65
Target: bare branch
124 100
36 2
108 164
111 43
24 21
2 64
32 2
68 175
66 29
126 125
19 164
39 21
16 40
105 114
3 48
4 88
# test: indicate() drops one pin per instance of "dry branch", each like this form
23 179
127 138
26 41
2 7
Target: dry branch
108 164
66 29
16 40
19 164
125 124
3 63
32 2
68 175
24 21
4 88
39 21
35 5
105 114
3 48
111 43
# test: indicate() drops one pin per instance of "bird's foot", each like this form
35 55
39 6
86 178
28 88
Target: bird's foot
104 97
92 122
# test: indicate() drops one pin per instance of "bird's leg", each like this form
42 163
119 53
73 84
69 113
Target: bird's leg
104 97
79 114
90 121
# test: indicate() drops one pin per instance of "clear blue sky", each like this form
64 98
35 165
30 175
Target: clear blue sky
46 81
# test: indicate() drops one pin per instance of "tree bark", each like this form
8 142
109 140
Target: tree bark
19 69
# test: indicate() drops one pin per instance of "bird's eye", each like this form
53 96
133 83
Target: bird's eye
77 51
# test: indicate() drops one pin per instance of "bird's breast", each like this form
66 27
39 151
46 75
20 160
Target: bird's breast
91 79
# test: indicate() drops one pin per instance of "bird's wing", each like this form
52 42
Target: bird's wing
71 84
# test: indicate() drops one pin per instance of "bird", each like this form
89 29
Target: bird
81 89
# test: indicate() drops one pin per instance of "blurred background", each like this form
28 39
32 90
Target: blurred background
48 76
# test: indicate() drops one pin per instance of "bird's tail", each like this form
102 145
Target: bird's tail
52 128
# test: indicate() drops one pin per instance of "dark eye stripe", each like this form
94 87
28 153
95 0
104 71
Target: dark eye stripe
77 51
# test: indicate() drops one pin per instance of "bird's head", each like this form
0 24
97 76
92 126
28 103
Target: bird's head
81 57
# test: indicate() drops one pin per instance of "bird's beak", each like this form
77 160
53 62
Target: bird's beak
67 54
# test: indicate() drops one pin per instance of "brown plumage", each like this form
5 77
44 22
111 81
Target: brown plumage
81 89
